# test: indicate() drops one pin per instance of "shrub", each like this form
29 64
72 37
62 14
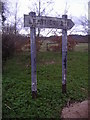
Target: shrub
58 40
71 43
38 43
8 46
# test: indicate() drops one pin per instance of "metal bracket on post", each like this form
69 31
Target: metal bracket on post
64 56
33 58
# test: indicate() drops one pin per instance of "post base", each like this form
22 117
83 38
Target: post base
34 94
64 88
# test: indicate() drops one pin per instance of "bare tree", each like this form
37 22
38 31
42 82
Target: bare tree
14 14
85 19
84 22
2 5
16 6
40 7
66 8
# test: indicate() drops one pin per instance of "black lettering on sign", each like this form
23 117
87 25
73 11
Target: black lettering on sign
41 22
50 22
61 23
34 20
38 22
44 21
54 23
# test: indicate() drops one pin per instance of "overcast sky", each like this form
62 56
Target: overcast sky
76 8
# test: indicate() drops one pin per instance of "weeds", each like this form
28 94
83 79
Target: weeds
17 99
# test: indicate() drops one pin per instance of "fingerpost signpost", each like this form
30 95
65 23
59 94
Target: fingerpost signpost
34 22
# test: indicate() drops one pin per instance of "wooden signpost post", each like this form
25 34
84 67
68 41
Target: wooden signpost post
34 22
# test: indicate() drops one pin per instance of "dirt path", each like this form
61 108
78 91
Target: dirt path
76 110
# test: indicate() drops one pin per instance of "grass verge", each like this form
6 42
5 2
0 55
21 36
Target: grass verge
17 99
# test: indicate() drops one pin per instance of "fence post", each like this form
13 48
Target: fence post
33 58
64 56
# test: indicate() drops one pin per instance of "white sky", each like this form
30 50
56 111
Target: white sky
76 8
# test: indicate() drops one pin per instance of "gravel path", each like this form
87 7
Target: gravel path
76 110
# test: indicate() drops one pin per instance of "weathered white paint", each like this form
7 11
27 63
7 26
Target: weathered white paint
47 22
34 21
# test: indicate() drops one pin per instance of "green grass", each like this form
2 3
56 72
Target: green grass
17 99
